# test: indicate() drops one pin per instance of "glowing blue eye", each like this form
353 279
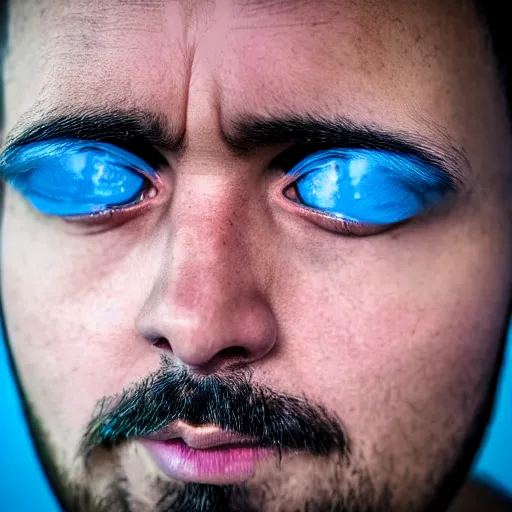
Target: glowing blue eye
368 186
69 177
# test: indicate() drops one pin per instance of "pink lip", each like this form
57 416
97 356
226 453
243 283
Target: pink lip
204 454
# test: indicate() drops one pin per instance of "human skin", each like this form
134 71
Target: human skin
398 333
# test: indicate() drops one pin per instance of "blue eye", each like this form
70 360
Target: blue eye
68 177
368 186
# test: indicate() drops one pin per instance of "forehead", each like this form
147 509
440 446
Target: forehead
379 61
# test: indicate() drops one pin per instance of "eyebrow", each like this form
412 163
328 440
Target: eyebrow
143 132
249 133
136 131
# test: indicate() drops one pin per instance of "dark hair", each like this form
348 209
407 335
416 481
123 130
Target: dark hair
492 14
495 21
3 49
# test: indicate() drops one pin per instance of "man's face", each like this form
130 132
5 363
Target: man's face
255 254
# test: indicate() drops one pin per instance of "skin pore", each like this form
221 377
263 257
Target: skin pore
360 349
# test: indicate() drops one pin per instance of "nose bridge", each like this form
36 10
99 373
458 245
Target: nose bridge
207 297
205 256
207 249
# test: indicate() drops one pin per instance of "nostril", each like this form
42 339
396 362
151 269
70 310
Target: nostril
236 352
161 343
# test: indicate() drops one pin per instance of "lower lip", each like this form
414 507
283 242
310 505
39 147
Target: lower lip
219 465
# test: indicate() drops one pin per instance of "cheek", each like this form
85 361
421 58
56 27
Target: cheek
398 334
367 326
70 305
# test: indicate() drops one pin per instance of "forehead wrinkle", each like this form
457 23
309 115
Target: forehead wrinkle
254 8
56 11
72 33
70 24
73 53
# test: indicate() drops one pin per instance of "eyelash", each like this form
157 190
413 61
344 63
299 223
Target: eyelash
154 186
284 163
116 215
285 192
323 220
286 159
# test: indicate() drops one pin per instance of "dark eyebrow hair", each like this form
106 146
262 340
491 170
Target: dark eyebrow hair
248 133
135 131
141 132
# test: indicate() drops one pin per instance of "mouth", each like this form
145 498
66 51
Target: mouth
205 454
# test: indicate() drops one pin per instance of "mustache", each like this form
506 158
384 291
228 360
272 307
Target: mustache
227 400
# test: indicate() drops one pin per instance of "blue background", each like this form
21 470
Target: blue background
23 487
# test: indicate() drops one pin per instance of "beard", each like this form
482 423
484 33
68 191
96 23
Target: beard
194 497
283 422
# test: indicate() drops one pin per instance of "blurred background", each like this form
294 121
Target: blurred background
23 486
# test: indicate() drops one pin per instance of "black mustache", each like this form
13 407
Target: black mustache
228 400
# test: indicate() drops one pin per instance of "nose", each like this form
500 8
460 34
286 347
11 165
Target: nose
208 305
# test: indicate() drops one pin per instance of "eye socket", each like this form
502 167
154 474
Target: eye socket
364 191
71 178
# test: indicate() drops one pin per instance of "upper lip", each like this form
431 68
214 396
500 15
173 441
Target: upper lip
199 437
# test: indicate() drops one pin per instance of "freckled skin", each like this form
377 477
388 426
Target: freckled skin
399 333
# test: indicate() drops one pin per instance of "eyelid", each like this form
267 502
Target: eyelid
431 174
434 182
48 156
324 220
19 160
